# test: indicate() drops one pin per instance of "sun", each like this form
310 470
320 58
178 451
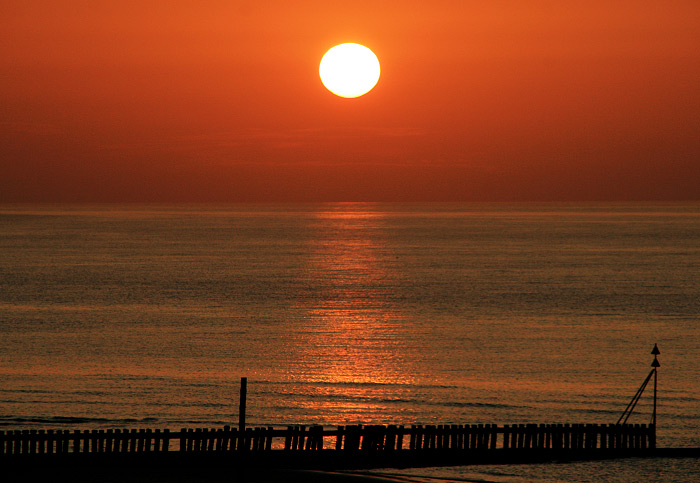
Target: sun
349 70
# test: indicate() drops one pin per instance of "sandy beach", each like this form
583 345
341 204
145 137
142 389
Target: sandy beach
191 475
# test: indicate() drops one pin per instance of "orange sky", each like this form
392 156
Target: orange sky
216 101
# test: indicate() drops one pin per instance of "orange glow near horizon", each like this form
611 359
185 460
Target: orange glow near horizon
495 101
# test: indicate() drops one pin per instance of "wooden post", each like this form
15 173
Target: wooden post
197 440
183 440
218 439
141 441
390 444
248 439
109 438
254 438
339 438
270 434
318 439
308 445
85 436
288 438
623 437
579 431
32 441
241 413
573 437
366 438
302 438
225 438
603 436
25 441
49 441
165 444
212 439
295 438
356 437
157 440
260 446
528 436
241 406
541 434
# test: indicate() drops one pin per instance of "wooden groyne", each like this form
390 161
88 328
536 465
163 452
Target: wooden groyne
339 447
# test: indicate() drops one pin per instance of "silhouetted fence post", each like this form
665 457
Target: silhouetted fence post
241 413
242 403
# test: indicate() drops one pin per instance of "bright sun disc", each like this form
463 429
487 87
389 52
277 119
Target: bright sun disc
349 70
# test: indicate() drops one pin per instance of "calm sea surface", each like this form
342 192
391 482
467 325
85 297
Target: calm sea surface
133 316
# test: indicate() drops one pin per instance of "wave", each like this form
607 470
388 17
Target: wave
455 404
71 420
351 384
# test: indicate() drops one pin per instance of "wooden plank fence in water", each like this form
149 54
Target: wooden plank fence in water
346 440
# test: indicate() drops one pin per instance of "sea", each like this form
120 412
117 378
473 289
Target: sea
132 316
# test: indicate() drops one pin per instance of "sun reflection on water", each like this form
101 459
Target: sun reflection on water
350 336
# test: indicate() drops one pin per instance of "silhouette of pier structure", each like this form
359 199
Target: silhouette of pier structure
351 446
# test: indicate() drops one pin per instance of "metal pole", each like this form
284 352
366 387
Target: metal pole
241 406
633 403
653 417
655 364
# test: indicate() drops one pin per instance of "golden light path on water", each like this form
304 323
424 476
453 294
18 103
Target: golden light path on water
349 343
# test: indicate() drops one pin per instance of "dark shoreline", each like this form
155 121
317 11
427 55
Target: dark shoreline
182 474
196 468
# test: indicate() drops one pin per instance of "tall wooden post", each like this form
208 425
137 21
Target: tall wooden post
241 406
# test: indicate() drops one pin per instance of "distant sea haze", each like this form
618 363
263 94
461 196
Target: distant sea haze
142 316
